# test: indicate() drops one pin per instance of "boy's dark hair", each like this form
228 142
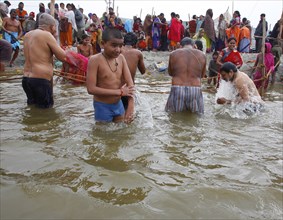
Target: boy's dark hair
130 39
215 53
199 45
110 33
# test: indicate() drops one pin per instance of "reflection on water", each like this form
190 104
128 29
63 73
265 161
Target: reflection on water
58 163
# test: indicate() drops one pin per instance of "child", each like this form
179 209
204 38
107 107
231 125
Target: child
105 74
213 69
85 48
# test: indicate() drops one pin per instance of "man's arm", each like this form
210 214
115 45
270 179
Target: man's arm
130 90
204 67
170 65
141 65
56 50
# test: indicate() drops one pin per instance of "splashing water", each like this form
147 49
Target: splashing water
242 110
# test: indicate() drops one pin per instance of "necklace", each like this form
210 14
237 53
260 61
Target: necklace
116 64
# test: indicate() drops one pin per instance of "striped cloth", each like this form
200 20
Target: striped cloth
185 98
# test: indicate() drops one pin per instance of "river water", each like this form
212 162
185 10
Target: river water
58 163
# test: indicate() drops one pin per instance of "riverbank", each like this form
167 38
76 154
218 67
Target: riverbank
153 58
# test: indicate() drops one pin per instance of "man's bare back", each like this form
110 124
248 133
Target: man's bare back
134 60
187 66
39 47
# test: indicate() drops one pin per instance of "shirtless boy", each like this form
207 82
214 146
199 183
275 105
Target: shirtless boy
85 48
39 47
134 59
12 33
105 73
187 66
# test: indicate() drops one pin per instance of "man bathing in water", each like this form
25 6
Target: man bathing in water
186 66
105 73
39 47
134 58
247 91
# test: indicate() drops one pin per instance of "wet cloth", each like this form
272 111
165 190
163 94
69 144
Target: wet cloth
12 38
38 91
106 112
185 98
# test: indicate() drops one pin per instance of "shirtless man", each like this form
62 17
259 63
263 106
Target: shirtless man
12 33
247 91
134 59
39 47
187 66
105 73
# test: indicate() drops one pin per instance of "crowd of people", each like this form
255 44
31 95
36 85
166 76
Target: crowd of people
117 46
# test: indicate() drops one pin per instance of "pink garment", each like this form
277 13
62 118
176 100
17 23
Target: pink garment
269 66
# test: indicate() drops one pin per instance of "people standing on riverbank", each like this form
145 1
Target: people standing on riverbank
187 66
38 68
105 73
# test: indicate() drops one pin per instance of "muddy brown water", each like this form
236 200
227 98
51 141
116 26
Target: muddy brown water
58 163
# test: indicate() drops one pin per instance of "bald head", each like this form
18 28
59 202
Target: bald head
45 20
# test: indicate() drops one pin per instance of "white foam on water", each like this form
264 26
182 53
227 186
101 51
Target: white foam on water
143 111
243 110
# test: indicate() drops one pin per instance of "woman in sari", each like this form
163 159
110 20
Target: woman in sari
234 27
230 54
264 65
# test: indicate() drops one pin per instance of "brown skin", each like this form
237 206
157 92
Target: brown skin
39 61
104 84
187 66
134 60
85 48
13 25
243 84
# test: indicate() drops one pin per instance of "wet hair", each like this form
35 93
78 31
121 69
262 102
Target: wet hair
199 45
110 33
45 20
12 11
232 38
187 41
130 39
227 67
